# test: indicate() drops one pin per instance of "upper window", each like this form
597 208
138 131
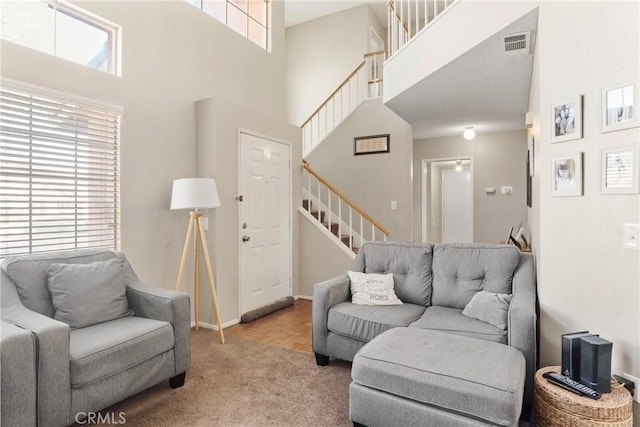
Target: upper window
63 30
247 17
59 173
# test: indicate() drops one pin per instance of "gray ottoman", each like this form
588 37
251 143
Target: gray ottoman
417 377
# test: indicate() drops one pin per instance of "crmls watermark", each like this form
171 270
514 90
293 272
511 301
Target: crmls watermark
86 418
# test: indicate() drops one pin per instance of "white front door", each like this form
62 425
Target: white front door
457 206
265 217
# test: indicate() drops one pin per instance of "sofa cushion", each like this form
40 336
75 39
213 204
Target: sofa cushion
372 289
461 270
30 273
410 264
101 350
489 307
86 294
479 379
364 322
451 320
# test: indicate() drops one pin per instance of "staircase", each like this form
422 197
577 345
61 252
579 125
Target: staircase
363 83
343 221
348 225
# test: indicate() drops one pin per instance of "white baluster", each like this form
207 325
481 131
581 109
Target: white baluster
373 232
350 227
329 208
361 230
339 216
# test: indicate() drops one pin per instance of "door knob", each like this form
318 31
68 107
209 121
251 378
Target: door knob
246 238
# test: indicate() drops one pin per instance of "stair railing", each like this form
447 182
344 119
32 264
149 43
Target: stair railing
338 213
364 82
406 18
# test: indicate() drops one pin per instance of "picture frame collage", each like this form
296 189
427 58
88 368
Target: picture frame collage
620 165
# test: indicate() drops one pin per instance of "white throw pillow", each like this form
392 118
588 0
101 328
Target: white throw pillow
372 289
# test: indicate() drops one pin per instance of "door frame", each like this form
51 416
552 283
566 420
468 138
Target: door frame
424 193
289 146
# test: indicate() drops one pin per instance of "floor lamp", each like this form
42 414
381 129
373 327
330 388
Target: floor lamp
195 194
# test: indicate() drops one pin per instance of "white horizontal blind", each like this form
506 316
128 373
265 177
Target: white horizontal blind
59 174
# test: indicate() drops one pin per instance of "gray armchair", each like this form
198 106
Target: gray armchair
85 369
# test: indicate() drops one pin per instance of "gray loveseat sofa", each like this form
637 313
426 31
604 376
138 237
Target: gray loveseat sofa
88 360
435 284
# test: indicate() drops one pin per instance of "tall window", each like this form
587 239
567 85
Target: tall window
59 174
63 30
247 17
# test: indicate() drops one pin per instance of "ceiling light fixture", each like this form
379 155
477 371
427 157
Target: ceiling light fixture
469 133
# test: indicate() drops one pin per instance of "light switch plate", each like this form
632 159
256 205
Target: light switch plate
205 222
631 236
394 205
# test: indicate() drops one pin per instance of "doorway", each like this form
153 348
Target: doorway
264 221
447 200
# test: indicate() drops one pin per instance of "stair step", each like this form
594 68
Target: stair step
306 204
334 227
315 215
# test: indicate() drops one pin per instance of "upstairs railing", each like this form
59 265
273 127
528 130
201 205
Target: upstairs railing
406 18
363 83
342 217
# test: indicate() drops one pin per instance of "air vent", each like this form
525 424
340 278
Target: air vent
516 43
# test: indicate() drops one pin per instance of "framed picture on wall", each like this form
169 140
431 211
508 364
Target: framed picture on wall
566 120
619 107
567 175
619 171
371 144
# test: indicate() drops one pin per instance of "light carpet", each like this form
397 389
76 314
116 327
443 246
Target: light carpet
245 383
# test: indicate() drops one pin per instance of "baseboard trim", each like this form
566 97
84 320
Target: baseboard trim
304 297
215 327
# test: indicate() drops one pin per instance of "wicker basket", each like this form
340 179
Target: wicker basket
557 407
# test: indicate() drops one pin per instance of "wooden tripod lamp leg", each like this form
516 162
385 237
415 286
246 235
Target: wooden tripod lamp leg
214 297
184 253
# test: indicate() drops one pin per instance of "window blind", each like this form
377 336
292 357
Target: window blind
59 174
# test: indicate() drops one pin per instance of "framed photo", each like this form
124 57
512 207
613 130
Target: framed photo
567 175
619 106
566 120
619 171
371 144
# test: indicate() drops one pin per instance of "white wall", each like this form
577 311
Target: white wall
372 181
498 159
173 55
320 259
586 280
320 55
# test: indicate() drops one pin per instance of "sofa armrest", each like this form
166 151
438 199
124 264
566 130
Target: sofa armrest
53 375
522 319
325 295
18 367
169 306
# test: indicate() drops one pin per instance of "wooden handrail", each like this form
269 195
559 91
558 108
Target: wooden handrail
305 165
362 64
334 92
378 52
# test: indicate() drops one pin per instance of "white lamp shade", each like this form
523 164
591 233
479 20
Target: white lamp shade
194 193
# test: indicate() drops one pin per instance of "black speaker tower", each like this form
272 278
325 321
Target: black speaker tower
571 354
595 363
